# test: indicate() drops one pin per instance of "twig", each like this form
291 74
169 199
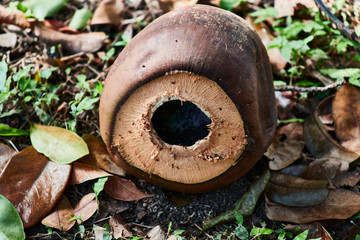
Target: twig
309 89
340 25
210 237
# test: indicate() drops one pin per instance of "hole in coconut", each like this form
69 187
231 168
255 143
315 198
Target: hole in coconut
180 123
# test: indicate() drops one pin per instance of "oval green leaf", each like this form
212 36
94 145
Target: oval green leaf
58 144
11 226
80 18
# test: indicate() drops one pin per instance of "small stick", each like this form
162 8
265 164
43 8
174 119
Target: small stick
309 89
340 25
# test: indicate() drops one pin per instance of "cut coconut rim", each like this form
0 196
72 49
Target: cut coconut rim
216 129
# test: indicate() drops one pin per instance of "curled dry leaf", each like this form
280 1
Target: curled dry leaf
124 190
99 157
286 146
109 12
82 172
325 169
286 8
120 231
86 207
324 112
156 233
73 43
349 179
6 153
297 192
264 32
321 144
340 204
346 113
13 17
169 5
60 215
33 193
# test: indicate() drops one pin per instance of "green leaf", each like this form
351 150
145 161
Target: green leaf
302 236
264 13
44 8
58 144
340 74
229 4
9 131
357 237
11 226
317 54
80 18
45 74
244 206
99 186
3 71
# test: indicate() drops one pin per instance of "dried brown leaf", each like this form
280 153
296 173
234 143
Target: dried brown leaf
99 156
286 146
347 179
286 8
120 230
13 17
86 207
156 233
8 40
325 169
295 191
264 32
82 172
340 204
324 112
6 153
321 144
109 12
73 43
169 5
124 190
33 184
60 215
346 113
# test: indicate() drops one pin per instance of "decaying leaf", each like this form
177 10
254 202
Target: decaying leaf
286 146
120 231
6 153
156 233
58 144
244 206
295 191
13 17
324 112
340 204
11 226
73 43
99 156
109 12
321 144
33 184
346 113
60 215
325 168
349 179
275 57
169 5
124 190
81 173
286 8
85 208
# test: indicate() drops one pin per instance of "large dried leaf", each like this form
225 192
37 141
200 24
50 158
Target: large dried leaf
86 207
244 206
340 204
349 179
99 156
33 184
13 17
58 144
286 146
60 215
325 169
124 190
73 43
109 12
297 192
81 173
120 230
321 144
11 226
346 113
6 153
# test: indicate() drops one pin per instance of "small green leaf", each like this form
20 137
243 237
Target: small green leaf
45 74
302 236
44 8
9 131
3 71
11 226
99 186
340 74
80 18
229 4
58 144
